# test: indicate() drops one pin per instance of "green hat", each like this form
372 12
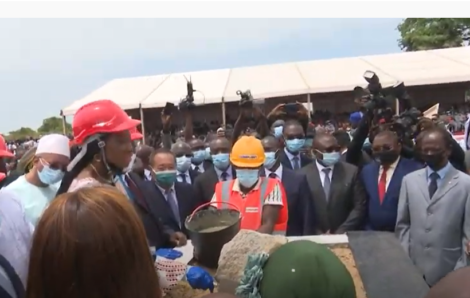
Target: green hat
298 269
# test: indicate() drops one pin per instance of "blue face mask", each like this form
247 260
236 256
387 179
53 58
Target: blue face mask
50 176
270 159
330 159
295 145
208 154
221 161
165 178
198 157
247 178
278 132
183 163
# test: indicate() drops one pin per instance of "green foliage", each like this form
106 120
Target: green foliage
21 133
53 125
49 125
433 33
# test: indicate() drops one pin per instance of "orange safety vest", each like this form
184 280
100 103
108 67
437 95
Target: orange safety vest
251 207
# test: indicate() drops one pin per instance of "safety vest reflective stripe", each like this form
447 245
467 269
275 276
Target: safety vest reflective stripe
225 198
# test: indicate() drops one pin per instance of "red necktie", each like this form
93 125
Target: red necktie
382 185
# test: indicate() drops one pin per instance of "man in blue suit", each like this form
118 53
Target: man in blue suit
300 203
382 181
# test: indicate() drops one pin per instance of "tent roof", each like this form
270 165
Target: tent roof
265 81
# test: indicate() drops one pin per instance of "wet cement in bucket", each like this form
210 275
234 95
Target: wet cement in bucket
212 220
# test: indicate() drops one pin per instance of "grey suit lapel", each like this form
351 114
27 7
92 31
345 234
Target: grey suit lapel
450 181
422 184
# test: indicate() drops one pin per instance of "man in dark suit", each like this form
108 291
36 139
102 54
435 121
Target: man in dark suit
294 139
199 162
168 199
143 153
382 181
158 234
340 201
204 185
183 154
300 203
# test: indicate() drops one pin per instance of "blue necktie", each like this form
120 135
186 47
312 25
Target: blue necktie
170 198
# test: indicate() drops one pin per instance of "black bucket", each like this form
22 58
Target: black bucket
209 230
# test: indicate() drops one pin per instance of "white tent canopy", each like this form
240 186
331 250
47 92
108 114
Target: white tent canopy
319 76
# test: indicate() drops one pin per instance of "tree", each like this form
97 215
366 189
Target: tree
22 133
53 125
434 33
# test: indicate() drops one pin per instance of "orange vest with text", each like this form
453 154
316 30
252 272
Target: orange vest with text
251 206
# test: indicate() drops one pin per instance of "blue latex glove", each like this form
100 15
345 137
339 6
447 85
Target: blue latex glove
198 278
168 253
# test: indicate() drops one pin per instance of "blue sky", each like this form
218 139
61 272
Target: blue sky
46 64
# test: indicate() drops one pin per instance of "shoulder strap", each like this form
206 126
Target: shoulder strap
263 187
9 281
225 193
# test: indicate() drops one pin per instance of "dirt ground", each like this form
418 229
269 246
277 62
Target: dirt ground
183 290
345 255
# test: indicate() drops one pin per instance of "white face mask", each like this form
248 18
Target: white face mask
131 164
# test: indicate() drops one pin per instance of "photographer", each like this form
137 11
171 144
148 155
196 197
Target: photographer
375 103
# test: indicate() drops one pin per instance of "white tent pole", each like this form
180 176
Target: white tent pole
142 122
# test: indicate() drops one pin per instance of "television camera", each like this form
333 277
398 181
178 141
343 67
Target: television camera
246 99
187 103
380 101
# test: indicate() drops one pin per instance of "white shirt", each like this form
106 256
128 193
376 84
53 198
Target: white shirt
390 172
291 157
179 177
322 174
228 171
200 167
33 198
278 172
148 175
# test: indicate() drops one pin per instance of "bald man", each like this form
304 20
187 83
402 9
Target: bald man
183 155
143 153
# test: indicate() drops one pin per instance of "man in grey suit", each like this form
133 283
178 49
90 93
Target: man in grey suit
433 222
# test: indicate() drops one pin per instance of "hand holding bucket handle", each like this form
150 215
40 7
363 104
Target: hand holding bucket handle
190 217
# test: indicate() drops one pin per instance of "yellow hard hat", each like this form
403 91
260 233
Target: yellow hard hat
247 152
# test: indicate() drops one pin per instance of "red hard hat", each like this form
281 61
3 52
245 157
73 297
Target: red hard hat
3 149
101 116
135 134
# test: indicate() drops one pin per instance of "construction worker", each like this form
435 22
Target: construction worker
261 200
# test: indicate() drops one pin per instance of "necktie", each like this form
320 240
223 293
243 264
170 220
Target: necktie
224 176
327 182
433 184
183 178
273 175
382 185
296 162
132 190
196 168
170 198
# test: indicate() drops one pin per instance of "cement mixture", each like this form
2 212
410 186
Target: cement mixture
183 290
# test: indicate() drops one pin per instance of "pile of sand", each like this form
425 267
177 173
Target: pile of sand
183 290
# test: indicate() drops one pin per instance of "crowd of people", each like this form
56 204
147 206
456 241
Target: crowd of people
99 216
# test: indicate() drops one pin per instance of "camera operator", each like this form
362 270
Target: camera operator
375 103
